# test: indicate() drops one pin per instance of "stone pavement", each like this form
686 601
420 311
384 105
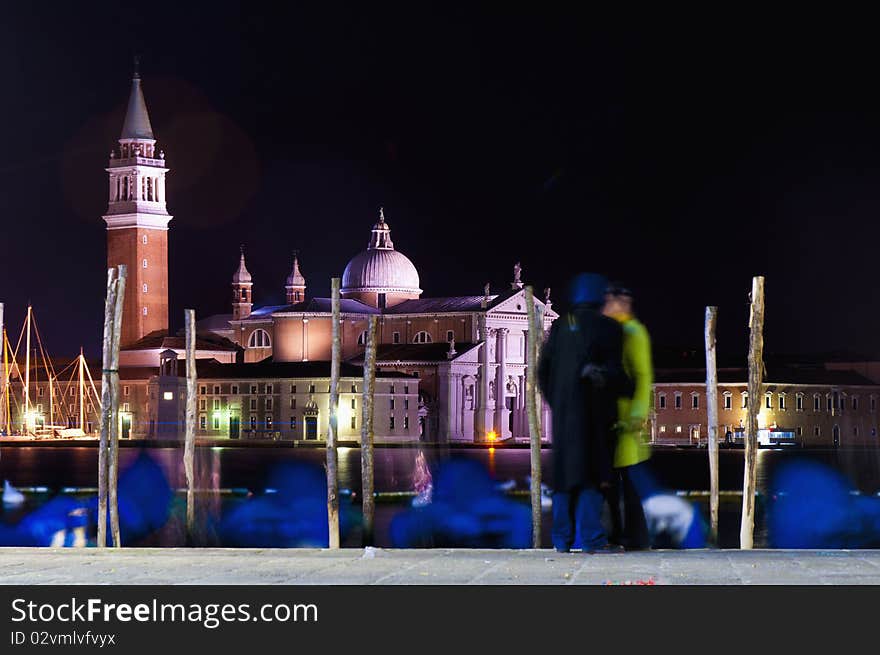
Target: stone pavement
441 566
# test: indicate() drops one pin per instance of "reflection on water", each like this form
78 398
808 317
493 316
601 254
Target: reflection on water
243 470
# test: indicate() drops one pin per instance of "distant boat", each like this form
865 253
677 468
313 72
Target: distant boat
11 495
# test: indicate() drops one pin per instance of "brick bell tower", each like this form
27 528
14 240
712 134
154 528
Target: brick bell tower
137 221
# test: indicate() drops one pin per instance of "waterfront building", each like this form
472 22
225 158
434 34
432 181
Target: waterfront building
465 355
811 406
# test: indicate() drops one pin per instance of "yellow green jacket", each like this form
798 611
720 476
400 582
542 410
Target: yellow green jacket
633 444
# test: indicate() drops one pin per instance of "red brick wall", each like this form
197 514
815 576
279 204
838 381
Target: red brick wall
126 246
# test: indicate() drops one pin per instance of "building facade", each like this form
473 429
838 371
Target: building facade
802 407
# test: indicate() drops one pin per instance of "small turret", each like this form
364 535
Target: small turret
242 286
296 283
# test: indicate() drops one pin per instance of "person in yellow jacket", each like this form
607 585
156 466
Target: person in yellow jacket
633 442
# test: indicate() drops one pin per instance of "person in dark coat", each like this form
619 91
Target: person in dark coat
580 373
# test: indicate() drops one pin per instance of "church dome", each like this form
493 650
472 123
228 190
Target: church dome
380 268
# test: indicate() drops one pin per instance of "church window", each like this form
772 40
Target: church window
450 335
259 339
422 337
395 337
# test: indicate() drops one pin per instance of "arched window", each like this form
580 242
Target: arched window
422 337
362 338
259 339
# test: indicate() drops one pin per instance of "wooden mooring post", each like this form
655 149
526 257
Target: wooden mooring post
189 440
333 431
535 338
712 410
113 472
108 445
756 371
369 387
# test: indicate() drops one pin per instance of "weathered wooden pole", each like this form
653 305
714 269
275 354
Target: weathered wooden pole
333 431
189 439
756 371
534 340
367 485
712 409
106 409
113 468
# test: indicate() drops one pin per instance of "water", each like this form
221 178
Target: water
247 467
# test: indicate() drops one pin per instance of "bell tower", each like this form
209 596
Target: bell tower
137 221
295 285
242 290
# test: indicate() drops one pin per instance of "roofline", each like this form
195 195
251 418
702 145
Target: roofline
798 384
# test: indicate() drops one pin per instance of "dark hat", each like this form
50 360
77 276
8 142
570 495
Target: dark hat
618 288
587 289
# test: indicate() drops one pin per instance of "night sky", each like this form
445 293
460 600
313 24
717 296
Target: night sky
683 156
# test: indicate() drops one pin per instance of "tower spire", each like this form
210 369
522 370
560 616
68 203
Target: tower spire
242 287
296 282
137 120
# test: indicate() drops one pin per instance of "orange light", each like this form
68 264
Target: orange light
492 436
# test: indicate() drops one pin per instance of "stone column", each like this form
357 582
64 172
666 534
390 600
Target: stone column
501 383
520 407
483 418
462 395
305 352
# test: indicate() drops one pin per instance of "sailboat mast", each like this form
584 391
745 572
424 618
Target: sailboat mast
27 371
51 404
6 380
82 389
